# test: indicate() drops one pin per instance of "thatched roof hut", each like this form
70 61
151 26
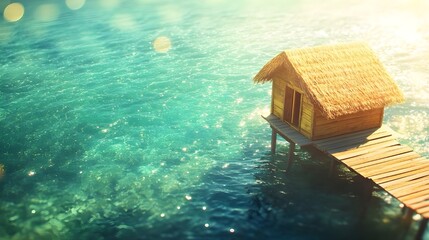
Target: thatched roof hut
337 80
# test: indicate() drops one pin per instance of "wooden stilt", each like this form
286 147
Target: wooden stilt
407 216
368 187
273 141
291 155
422 228
332 167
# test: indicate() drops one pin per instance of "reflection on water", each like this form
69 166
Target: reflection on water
318 204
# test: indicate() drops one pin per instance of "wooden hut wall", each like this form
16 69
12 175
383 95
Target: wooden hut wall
307 110
278 97
280 81
324 128
307 115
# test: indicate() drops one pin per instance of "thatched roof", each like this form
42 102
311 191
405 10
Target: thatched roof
338 79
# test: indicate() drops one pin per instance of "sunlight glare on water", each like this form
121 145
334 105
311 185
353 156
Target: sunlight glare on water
75 4
139 119
124 22
109 4
47 12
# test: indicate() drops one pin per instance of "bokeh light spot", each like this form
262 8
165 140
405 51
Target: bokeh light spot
109 4
75 4
162 44
47 12
123 22
13 12
171 14
417 217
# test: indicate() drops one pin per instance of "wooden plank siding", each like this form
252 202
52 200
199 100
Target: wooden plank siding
278 95
312 124
307 114
325 128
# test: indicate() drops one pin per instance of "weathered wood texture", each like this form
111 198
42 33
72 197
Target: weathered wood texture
307 115
326 128
312 123
376 155
286 131
278 97
281 99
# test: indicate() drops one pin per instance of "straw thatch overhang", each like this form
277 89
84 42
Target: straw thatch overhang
338 79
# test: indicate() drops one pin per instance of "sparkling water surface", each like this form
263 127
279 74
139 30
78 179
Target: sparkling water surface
138 119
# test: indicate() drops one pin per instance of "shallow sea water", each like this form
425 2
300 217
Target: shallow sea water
106 135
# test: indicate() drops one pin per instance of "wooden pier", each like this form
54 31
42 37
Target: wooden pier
376 155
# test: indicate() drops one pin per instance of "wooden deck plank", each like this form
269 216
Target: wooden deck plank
385 185
350 141
380 153
363 150
424 212
400 174
404 184
346 144
424 209
412 191
410 187
360 145
363 133
394 168
286 131
371 164
387 152
420 205
391 166
347 139
415 197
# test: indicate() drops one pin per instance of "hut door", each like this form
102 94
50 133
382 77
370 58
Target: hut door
296 108
292 106
287 116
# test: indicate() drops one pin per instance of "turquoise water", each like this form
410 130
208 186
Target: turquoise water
104 135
